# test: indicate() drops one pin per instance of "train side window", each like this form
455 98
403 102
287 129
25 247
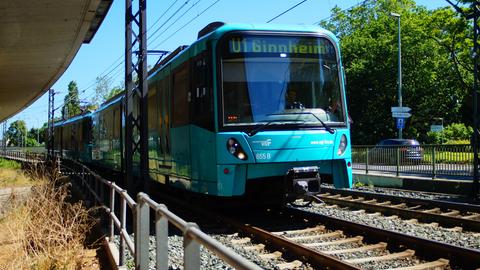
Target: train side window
181 97
202 101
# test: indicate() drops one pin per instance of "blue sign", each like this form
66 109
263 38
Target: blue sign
400 123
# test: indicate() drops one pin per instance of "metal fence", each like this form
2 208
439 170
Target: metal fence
104 193
30 157
430 160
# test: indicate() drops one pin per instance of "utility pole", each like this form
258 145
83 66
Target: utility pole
51 116
476 138
136 92
4 142
474 14
399 78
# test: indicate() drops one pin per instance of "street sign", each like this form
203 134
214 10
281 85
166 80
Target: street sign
400 109
401 114
400 123
436 128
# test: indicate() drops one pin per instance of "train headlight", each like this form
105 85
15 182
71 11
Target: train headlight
342 146
234 147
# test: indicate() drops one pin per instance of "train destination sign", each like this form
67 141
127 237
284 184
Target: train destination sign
293 45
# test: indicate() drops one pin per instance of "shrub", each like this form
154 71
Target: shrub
451 134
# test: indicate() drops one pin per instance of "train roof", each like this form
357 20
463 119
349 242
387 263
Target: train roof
216 30
72 119
223 28
112 101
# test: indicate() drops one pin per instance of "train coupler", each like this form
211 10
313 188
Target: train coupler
302 183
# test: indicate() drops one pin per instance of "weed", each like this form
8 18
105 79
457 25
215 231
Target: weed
46 231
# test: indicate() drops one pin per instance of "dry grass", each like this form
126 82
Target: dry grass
46 232
13 178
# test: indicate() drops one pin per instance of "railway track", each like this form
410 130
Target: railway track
326 242
290 238
455 216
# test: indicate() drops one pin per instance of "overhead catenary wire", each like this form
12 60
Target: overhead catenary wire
344 10
190 21
286 11
155 32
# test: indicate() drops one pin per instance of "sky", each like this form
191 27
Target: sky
104 55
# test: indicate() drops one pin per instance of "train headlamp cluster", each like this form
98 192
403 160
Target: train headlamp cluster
234 147
342 146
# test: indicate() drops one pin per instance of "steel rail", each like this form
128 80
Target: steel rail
466 207
316 258
448 221
464 257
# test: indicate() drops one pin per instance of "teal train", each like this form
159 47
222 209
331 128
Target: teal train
246 111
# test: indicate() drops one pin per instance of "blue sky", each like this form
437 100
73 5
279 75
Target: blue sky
104 55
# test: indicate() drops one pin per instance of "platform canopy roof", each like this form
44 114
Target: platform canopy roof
38 41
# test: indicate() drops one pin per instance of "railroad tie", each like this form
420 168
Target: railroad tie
307 230
331 206
472 216
361 211
376 214
393 256
241 241
391 217
336 242
432 224
384 203
438 264
414 207
359 199
455 229
412 221
318 236
370 201
289 265
269 256
451 213
433 210
400 205
255 247
379 246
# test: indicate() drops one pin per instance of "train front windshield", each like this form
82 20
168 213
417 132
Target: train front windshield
280 80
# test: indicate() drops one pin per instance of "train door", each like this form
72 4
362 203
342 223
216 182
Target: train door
202 128
163 127
180 128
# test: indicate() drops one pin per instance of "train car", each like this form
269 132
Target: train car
107 135
251 111
73 137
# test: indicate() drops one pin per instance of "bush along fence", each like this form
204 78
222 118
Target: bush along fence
430 160
106 195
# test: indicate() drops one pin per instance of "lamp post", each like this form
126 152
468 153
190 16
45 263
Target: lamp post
396 15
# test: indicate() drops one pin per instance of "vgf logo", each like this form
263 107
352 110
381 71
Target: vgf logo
264 143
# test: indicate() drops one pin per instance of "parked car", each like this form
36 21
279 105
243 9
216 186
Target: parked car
385 152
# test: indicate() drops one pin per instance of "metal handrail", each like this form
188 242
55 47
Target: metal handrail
94 187
431 160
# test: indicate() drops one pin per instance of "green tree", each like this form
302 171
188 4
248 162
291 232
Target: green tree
71 104
104 90
435 66
16 133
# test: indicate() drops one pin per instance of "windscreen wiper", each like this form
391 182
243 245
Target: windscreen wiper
256 130
263 126
327 128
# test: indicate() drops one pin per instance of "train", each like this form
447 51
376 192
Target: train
250 111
